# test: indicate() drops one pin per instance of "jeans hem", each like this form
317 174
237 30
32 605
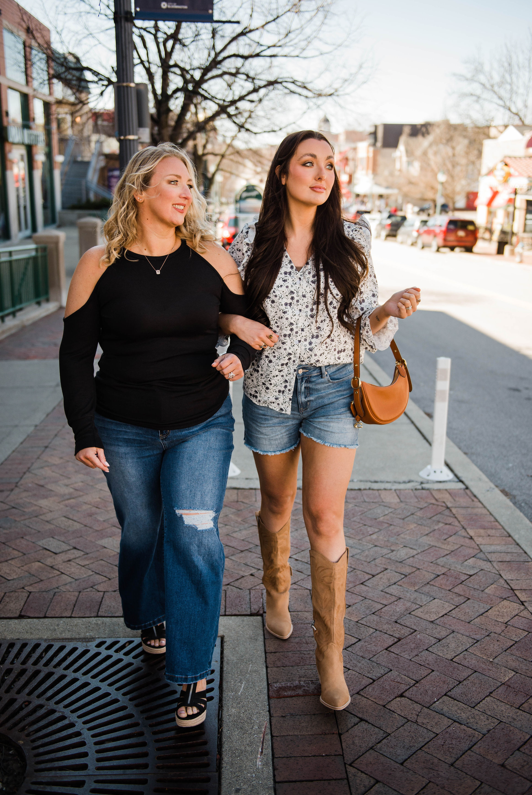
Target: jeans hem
327 444
146 625
275 452
177 679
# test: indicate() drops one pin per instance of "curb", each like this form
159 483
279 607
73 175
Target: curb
509 517
27 316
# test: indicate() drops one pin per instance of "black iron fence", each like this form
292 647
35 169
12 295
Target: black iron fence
23 278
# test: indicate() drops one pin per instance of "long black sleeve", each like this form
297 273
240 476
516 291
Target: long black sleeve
76 367
233 304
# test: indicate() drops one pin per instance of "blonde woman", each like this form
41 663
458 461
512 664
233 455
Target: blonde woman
156 418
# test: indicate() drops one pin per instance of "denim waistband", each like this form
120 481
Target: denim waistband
306 369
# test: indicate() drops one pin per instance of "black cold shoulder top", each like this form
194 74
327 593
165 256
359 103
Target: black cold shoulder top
158 334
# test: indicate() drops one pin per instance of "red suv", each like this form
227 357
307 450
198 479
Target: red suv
443 231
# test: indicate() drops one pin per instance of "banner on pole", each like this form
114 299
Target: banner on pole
175 10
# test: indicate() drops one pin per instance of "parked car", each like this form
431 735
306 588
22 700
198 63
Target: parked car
408 232
352 213
388 225
443 231
230 224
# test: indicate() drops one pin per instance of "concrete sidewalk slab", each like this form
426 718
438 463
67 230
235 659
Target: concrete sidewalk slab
29 391
246 759
389 456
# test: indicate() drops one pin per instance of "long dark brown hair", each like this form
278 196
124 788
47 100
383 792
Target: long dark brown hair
342 261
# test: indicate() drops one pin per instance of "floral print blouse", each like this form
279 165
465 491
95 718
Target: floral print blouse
305 338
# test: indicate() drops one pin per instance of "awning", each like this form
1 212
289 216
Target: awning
500 198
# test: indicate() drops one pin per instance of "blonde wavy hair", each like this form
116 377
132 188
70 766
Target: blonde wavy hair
121 230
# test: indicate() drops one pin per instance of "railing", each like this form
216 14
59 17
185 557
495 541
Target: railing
23 278
69 154
99 190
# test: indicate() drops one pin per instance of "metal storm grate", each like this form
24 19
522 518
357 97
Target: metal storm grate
98 717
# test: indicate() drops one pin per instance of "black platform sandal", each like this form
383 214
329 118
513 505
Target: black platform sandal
190 698
153 633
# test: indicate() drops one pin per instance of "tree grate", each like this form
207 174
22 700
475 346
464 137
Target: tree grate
98 717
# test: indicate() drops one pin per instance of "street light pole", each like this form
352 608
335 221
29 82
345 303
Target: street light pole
125 91
441 177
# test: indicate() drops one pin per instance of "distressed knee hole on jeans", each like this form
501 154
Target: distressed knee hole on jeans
201 520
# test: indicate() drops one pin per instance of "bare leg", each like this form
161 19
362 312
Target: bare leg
326 474
278 487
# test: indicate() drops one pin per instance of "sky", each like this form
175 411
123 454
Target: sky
416 46
413 47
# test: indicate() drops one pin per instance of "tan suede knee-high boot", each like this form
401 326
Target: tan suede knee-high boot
275 550
328 602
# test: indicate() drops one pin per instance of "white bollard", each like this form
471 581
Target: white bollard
437 470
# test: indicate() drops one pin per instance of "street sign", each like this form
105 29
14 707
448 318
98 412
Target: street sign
175 10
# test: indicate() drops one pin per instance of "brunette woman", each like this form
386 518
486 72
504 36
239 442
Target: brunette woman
157 417
308 276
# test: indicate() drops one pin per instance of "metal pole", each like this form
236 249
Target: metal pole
512 218
125 93
437 470
439 198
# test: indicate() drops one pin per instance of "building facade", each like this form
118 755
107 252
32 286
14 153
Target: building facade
30 189
504 205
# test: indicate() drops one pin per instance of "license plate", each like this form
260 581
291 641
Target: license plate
460 233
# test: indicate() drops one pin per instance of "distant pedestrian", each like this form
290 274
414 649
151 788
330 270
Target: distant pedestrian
151 297
308 274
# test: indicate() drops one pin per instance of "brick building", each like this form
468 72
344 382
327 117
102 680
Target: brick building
30 188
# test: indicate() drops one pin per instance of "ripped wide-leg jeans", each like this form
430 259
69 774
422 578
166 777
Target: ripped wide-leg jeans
168 489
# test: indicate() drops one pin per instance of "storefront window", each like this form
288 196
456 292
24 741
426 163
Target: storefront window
39 66
14 107
4 231
14 57
528 218
38 114
41 115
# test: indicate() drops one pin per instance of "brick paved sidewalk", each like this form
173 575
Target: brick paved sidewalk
438 653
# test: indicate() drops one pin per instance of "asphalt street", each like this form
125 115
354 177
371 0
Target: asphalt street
477 310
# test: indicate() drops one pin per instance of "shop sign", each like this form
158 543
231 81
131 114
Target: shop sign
249 200
175 10
21 135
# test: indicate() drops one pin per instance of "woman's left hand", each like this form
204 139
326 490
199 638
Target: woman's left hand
229 366
404 303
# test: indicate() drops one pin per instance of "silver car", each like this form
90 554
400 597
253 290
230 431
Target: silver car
409 232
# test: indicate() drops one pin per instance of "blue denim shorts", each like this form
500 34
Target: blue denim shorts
320 411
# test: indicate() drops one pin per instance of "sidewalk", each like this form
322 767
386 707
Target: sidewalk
438 651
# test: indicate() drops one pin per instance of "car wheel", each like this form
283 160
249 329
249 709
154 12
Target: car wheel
434 245
419 243
452 248
469 250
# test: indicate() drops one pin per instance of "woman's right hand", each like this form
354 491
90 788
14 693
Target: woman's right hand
255 334
93 457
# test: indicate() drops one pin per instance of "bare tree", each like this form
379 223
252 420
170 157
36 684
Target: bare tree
455 149
497 89
214 84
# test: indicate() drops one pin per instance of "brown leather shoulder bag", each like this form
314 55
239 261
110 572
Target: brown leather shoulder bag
379 405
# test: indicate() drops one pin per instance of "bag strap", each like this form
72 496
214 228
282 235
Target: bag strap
356 358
